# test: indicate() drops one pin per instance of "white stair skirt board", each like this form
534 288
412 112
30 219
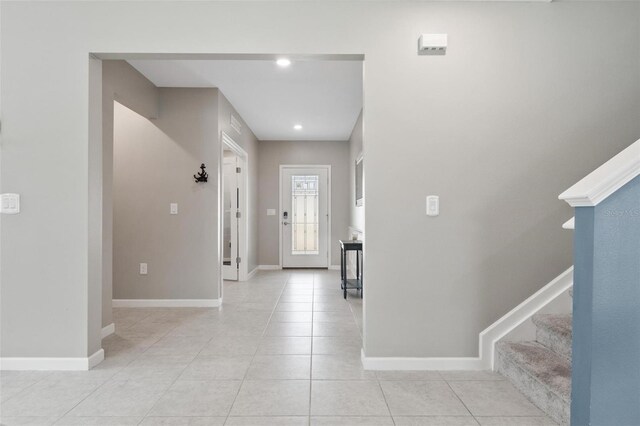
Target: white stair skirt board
166 303
521 313
269 267
487 339
570 224
55 364
108 330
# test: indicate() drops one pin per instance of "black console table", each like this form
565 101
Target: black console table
345 282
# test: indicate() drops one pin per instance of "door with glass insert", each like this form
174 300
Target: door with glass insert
304 217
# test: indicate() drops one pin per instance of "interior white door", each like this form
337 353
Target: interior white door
304 216
230 200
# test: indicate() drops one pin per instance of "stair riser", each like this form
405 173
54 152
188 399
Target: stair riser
557 343
554 406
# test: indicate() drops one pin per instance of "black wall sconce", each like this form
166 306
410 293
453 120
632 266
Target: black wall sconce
202 175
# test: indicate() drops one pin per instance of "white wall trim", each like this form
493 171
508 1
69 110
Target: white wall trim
334 267
166 303
570 224
243 230
95 359
252 273
108 330
269 267
57 364
487 339
606 179
521 313
409 363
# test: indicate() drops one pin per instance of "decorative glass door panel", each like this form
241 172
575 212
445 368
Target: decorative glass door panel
304 214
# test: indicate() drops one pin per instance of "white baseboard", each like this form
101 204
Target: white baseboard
269 267
166 303
408 363
108 330
334 267
54 364
487 339
252 273
521 313
96 358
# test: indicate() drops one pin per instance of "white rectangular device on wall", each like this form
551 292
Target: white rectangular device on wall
10 203
433 205
432 44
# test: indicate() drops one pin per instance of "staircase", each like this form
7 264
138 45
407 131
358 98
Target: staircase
541 369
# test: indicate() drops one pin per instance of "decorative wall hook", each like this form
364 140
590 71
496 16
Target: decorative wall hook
202 175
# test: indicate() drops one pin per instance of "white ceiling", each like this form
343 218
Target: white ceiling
325 97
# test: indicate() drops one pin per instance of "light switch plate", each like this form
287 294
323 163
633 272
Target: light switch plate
433 205
10 203
143 269
173 208
271 212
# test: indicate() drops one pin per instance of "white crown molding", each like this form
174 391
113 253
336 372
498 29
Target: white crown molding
55 364
108 330
606 179
166 303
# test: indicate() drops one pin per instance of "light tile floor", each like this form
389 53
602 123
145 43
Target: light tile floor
284 349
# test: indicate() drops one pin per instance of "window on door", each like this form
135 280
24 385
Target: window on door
305 215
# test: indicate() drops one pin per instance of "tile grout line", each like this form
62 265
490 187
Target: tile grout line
110 378
461 401
313 314
176 378
256 351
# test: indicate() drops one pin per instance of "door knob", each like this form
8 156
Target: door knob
285 223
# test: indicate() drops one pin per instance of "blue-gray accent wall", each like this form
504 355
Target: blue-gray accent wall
606 311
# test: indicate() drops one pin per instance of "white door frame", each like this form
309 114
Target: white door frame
243 236
305 166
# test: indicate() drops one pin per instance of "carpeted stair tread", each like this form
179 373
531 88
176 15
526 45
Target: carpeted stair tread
554 332
545 366
558 323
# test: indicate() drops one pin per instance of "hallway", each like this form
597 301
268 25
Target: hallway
283 350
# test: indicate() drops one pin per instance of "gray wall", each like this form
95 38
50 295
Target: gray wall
154 162
247 140
271 154
528 99
356 219
121 82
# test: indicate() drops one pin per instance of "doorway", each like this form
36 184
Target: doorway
234 210
305 222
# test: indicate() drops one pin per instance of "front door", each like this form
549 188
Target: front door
304 216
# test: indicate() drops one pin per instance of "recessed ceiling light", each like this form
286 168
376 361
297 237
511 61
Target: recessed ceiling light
298 127
283 62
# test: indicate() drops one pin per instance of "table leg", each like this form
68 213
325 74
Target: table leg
344 262
341 268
